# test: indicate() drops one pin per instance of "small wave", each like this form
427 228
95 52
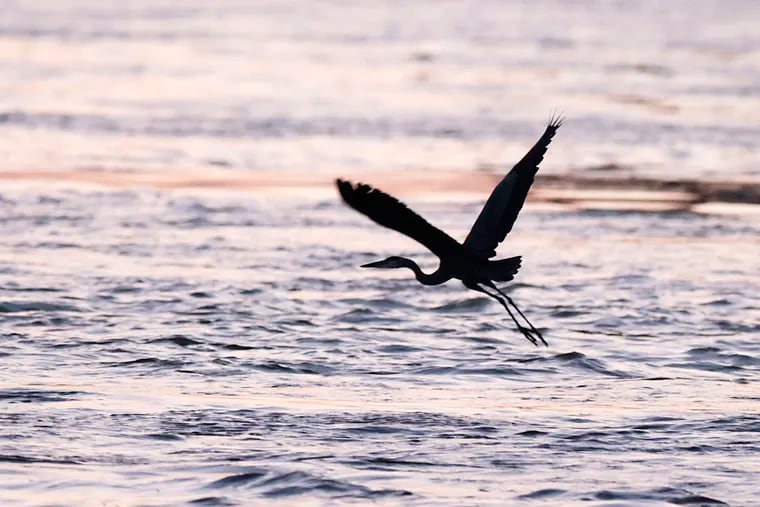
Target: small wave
35 306
567 313
53 245
706 366
672 495
239 479
150 361
396 462
163 436
465 305
494 371
697 500
436 370
213 501
125 289
30 289
716 353
181 340
532 433
714 359
314 283
16 458
301 368
362 316
717 302
591 364
295 322
579 360
300 483
398 348
284 484
31 395
483 341
737 327
542 494
232 346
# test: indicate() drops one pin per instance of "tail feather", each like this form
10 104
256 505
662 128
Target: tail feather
504 270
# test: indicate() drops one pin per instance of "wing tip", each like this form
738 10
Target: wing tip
345 189
341 183
556 120
353 193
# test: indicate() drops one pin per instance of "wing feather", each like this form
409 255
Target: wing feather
393 214
507 199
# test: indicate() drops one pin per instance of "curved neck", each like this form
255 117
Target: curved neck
435 278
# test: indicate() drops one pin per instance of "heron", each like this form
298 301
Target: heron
469 261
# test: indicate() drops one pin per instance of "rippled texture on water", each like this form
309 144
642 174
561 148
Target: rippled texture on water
657 88
223 348
163 343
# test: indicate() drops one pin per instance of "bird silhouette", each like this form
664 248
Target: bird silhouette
468 261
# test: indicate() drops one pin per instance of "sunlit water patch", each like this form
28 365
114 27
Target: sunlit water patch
291 86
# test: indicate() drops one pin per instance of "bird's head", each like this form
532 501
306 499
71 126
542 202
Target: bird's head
389 263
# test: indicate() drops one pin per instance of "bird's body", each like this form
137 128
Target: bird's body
469 261
461 265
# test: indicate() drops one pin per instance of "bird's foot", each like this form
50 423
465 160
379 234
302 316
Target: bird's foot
532 335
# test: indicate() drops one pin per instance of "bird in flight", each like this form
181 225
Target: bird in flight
468 261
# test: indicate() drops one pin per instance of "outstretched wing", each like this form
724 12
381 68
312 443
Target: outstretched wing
500 211
389 212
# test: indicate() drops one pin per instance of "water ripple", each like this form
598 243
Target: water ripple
284 484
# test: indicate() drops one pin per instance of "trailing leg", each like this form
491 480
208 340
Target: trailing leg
527 333
532 327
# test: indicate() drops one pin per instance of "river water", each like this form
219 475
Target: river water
182 318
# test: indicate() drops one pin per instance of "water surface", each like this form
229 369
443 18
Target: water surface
223 348
182 318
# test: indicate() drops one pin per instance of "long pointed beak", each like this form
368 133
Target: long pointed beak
376 264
